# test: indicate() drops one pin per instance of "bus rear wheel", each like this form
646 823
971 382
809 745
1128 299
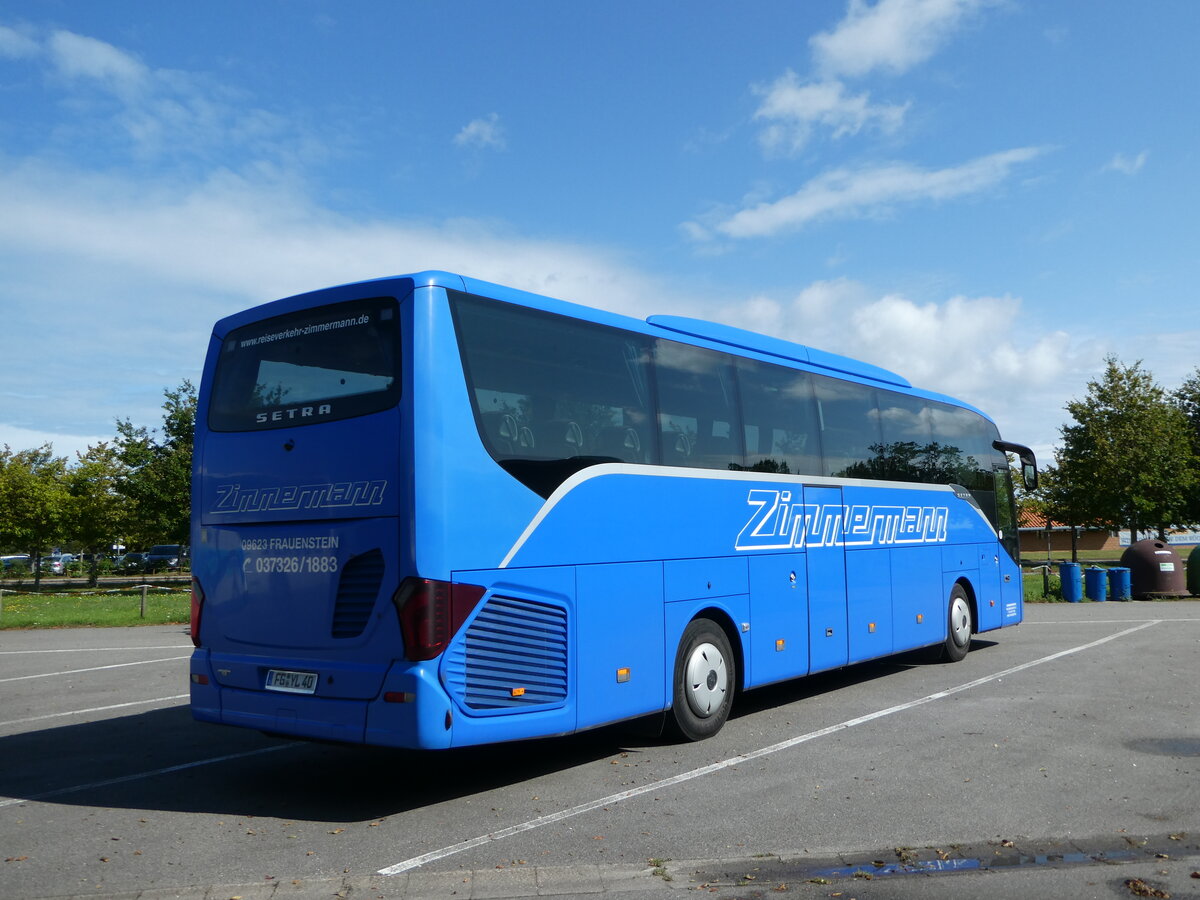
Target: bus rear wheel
705 676
960 625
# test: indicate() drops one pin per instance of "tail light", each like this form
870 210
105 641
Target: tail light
197 610
431 612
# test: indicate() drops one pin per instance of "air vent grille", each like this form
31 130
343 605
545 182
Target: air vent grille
513 655
358 589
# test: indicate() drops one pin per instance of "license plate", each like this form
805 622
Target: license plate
291 682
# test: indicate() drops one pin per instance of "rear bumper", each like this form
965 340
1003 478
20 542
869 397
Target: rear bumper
422 721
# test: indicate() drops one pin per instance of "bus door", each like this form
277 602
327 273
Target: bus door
1008 559
827 611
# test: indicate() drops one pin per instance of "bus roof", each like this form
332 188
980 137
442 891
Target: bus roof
761 343
713 332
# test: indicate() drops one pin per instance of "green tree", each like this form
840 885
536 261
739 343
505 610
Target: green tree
33 501
1126 462
96 510
1062 500
1187 398
156 483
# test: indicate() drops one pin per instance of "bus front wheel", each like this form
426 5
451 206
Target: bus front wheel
960 625
704 680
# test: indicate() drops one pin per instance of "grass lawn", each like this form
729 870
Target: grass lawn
78 608
1034 584
1038 558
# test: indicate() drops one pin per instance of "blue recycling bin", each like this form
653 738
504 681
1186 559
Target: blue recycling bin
1072 586
1119 587
1094 584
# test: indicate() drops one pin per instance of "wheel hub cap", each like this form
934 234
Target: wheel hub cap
960 621
707 680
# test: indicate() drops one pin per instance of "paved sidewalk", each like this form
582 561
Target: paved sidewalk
1138 866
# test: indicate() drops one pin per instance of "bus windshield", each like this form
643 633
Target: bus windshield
317 365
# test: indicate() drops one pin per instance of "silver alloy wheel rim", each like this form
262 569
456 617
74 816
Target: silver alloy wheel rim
960 621
706 680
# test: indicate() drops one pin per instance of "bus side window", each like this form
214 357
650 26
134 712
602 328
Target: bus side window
850 435
969 436
908 451
697 407
551 394
782 434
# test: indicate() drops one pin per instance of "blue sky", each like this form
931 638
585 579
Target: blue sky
987 196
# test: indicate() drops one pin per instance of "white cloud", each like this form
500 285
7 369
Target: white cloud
159 113
78 56
112 284
485 132
978 349
794 109
845 193
894 35
1127 165
67 445
15 45
259 239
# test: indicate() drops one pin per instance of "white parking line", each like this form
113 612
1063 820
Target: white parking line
144 662
550 819
1078 622
98 649
94 709
138 776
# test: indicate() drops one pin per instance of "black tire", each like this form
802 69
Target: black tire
960 625
705 679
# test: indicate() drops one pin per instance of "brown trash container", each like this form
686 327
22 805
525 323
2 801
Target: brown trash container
1155 570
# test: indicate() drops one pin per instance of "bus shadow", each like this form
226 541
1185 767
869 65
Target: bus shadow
785 693
162 760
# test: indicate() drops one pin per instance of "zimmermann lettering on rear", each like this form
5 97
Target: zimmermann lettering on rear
232 498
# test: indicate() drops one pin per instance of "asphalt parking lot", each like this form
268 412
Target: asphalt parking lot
1061 758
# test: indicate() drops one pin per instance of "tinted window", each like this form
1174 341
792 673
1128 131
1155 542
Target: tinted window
551 394
780 421
966 442
971 436
908 451
697 407
850 435
312 366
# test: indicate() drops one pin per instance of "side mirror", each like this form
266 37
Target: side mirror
1029 475
1029 472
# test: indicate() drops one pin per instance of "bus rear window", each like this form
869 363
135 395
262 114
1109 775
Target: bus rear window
316 365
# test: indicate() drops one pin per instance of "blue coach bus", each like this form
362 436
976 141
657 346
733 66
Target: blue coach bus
433 512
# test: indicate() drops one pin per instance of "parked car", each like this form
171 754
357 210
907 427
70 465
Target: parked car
131 562
57 565
16 562
165 556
